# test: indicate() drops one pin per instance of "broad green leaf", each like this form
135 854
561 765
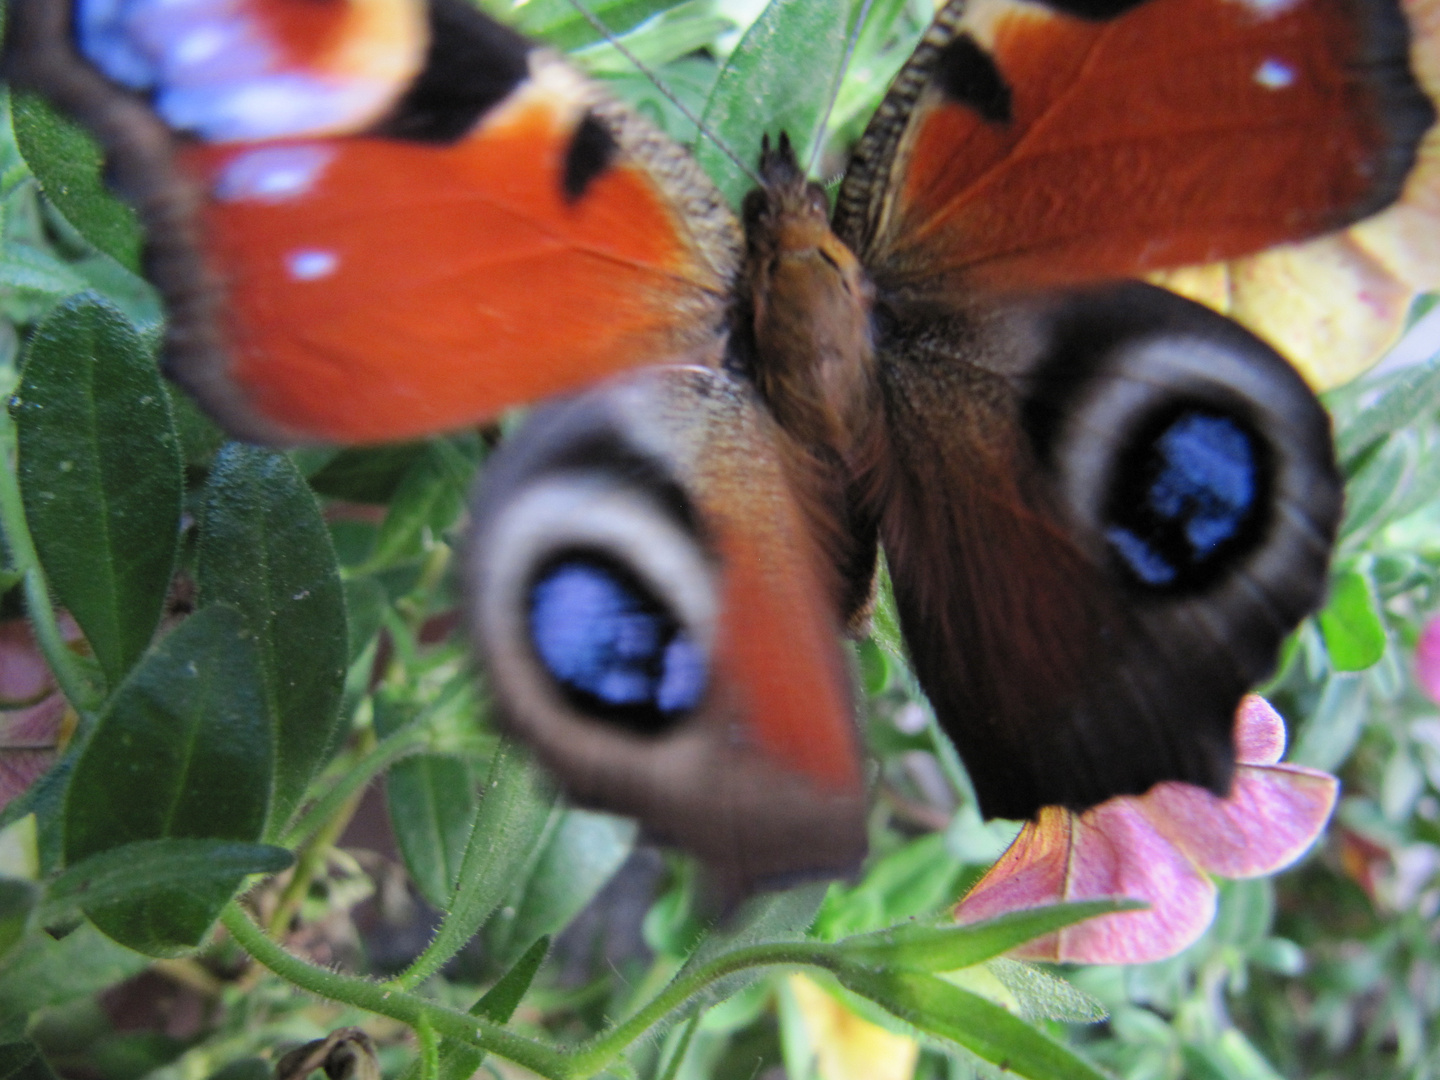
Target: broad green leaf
99 465
1350 622
785 69
132 871
183 750
949 948
432 800
23 1061
515 805
17 901
264 550
68 164
580 854
44 971
980 1026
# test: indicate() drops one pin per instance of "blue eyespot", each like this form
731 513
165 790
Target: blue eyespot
612 647
1189 490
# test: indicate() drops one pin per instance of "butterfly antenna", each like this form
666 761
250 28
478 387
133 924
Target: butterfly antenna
850 46
614 41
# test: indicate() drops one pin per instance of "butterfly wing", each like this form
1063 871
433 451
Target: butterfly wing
1102 514
1104 509
644 593
1029 144
410 244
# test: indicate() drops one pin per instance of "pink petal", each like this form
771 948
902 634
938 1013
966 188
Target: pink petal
1031 872
29 736
1109 851
1259 732
1427 660
1116 852
1270 818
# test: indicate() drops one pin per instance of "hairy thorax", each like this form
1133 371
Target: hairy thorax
804 316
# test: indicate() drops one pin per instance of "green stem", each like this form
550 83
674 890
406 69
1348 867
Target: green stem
429 1049
407 1008
595 1055
63 663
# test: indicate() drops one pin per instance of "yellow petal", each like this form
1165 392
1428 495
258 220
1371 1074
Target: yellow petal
849 1047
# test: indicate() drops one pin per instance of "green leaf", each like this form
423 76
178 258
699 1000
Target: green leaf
428 500
668 37
1042 996
1333 727
183 750
950 948
264 550
1350 623
23 1061
561 26
1229 1057
790 59
17 900
459 1061
99 465
1411 394
132 871
515 805
580 854
44 972
367 474
68 165
432 802
969 1020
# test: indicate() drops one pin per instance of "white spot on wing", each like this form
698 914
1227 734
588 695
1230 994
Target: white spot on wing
311 264
1274 75
273 173
1268 9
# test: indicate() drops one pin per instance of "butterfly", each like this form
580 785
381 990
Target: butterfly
1102 506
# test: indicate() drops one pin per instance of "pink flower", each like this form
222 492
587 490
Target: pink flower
34 715
1427 660
1160 847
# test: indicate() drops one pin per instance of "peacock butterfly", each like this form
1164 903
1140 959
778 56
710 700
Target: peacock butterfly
1102 506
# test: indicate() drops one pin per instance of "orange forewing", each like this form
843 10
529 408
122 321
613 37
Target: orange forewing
456 280
1129 148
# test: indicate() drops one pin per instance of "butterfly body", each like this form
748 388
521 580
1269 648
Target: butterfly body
1102 506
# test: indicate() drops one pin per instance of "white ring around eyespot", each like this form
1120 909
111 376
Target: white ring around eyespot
564 512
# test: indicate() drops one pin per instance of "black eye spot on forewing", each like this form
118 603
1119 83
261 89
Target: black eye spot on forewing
1095 10
472 65
967 74
592 149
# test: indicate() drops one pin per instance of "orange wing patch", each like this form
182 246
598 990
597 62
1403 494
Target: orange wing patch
380 289
1052 150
